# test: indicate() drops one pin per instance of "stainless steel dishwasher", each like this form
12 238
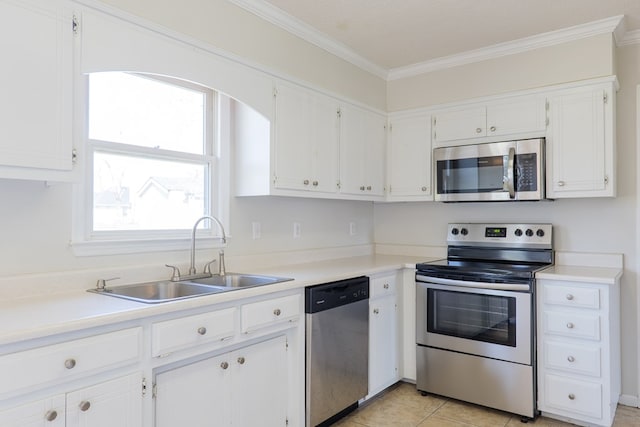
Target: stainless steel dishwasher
337 350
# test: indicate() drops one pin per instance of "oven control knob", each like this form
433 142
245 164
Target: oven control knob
464 231
529 232
454 231
540 232
518 232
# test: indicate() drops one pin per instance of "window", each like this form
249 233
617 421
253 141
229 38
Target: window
151 157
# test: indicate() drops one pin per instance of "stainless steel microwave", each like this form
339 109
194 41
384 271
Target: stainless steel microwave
495 171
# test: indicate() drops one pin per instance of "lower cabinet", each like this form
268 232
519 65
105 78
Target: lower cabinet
244 387
111 403
383 333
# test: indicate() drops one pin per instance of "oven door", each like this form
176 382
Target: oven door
467 317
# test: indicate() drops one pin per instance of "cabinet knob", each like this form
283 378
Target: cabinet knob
51 415
424 188
315 183
376 311
305 182
492 128
571 359
368 188
478 130
70 363
241 360
202 330
84 405
224 365
560 183
277 312
572 396
386 286
569 297
362 188
570 325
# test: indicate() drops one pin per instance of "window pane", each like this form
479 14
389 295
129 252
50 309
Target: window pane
135 110
133 193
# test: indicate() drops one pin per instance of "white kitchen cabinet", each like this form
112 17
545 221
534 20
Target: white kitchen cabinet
384 340
306 140
581 142
36 40
513 117
409 158
362 153
245 387
578 350
117 402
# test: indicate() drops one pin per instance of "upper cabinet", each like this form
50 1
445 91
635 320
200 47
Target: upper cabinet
36 39
517 116
409 158
362 153
581 142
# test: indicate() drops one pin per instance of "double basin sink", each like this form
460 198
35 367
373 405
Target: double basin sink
166 290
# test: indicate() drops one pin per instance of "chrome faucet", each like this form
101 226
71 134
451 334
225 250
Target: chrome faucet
221 267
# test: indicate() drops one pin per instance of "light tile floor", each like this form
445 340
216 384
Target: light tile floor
403 406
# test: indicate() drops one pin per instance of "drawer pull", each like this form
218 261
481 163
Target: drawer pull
202 330
241 360
224 365
569 297
277 312
386 286
570 325
84 405
70 363
51 415
571 359
572 396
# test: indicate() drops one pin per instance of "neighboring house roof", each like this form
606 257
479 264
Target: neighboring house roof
166 185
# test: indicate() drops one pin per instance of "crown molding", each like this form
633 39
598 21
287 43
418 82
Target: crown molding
607 25
630 37
306 32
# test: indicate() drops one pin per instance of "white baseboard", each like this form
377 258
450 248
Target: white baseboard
628 400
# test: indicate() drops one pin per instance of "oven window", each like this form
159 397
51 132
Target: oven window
478 317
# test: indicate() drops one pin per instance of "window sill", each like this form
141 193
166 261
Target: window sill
121 247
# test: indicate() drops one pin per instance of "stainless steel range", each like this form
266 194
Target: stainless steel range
475 315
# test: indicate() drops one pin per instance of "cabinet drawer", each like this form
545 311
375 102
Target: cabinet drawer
266 313
69 359
382 286
571 296
178 334
579 359
572 324
580 397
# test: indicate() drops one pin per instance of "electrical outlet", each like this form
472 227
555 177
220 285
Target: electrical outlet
296 230
256 231
352 228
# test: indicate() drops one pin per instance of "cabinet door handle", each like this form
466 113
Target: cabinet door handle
277 312
376 311
362 188
492 128
241 360
368 188
305 182
572 396
51 415
202 330
424 188
569 297
571 359
315 183
478 130
84 405
570 325
70 363
224 365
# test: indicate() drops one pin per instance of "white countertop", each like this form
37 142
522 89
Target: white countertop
23 319
573 273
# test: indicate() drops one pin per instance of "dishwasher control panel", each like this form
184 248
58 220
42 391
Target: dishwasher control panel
335 294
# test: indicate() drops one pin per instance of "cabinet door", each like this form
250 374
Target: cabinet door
195 395
306 140
580 142
518 115
112 403
383 344
42 413
463 123
409 160
35 107
260 384
362 148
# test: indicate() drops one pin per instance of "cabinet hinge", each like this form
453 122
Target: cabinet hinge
605 97
275 92
390 127
547 122
154 390
389 189
74 24
434 121
339 112
74 156
144 387
286 421
606 180
546 105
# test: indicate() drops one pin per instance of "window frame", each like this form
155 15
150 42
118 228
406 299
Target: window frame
88 242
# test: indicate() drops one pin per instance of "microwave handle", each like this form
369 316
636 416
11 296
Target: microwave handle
509 184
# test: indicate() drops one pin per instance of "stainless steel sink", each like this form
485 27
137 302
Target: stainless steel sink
237 280
155 292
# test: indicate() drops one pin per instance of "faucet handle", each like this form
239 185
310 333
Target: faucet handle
175 273
207 266
101 284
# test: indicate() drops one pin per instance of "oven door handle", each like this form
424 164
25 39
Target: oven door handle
471 284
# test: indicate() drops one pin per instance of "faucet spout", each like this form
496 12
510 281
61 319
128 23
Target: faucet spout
192 265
